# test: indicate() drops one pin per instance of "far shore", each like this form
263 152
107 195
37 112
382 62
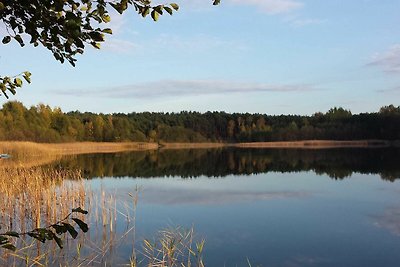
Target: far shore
112 147
304 144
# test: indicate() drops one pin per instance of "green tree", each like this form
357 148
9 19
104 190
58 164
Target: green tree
64 27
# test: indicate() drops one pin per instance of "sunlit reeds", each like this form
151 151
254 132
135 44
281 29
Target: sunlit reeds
33 197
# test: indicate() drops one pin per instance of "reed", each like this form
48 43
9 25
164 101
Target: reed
35 197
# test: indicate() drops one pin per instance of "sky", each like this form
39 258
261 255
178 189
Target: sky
257 56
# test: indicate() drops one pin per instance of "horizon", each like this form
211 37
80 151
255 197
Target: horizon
200 112
269 57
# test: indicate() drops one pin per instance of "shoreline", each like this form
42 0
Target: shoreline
32 148
33 154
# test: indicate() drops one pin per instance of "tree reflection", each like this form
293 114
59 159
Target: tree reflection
336 163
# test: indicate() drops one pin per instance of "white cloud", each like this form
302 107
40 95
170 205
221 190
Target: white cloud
388 60
174 88
271 6
174 196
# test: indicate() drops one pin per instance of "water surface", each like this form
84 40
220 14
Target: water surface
274 207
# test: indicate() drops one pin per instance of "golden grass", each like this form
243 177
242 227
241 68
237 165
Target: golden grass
30 154
37 197
191 145
32 197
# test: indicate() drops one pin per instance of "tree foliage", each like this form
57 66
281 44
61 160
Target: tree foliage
65 27
48 233
42 123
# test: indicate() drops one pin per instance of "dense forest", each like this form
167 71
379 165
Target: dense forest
42 123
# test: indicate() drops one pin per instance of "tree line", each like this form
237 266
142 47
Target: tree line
42 123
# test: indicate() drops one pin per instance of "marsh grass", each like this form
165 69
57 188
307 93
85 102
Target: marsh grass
39 196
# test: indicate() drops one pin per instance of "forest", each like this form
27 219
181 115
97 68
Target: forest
42 123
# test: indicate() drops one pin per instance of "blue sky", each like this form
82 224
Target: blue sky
263 56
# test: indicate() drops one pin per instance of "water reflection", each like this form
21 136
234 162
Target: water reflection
336 163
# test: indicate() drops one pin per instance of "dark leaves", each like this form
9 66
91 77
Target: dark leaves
80 210
47 233
84 227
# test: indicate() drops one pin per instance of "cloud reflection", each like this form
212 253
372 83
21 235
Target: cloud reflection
156 195
390 220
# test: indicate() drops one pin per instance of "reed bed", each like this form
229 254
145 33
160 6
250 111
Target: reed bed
37 197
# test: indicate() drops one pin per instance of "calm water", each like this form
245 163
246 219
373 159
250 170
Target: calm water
337 207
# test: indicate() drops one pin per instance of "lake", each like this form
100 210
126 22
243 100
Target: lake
266 207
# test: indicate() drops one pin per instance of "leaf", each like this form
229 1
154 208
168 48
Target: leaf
9 246
106 18
37 236
60 229
1 6
146 11
216 2
175 6
107 30
27 74
27 78
154 15
10 233
117 7
84 227
18 82
71 230
169 10
18 38
3 240
96 45
159 9
6 39
58 241
80 210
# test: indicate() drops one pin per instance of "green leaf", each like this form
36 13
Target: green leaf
27 78
80 210
145 11
18 82
84 227
107 30
10 233
175 6
106 18
1 6
154 15
159 9
6 39
96 45
117 7
169 10
27 74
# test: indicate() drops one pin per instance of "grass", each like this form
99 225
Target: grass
30 154
35 197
